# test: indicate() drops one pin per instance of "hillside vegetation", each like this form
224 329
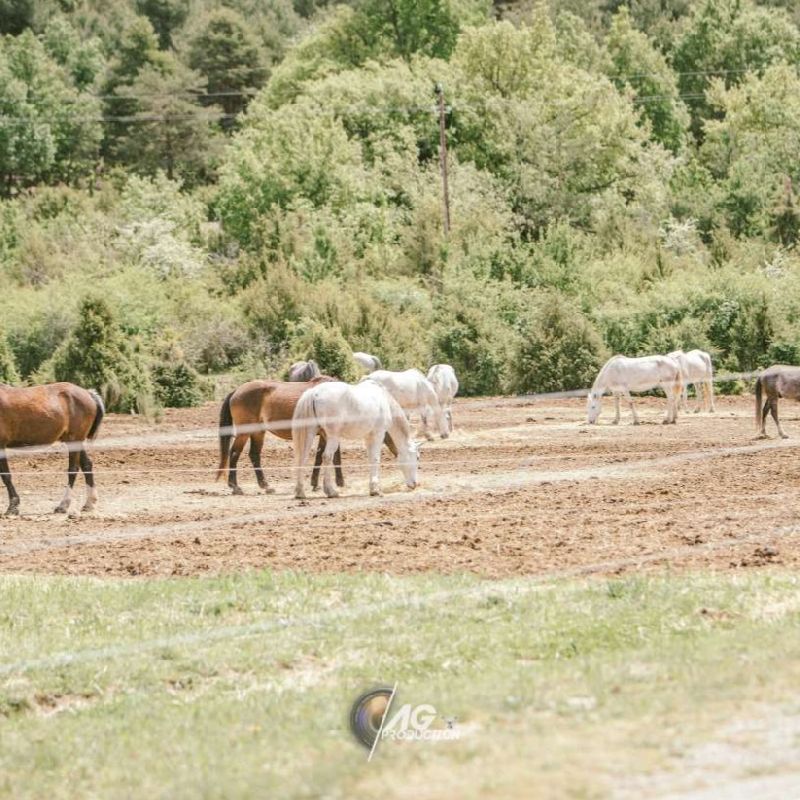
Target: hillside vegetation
194 188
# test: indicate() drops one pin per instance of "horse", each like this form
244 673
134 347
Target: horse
696 368
343 411
255 408
777 381
304 371
368 362
620 375
413 392
443 379
42 415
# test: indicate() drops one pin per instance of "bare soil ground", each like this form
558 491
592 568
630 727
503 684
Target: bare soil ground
521 488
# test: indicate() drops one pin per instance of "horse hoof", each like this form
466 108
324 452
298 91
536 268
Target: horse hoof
299 495
88 507
60 510
237 490
13 511
784 436
269 490
332 494
375 492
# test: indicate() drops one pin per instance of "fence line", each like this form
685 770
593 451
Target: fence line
520 477
510 589
199 435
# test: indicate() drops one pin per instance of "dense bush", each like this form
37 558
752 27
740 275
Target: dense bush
8 369
326 346
98 356
177 383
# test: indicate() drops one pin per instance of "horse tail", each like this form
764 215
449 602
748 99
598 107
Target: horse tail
758 402
302 430
99 414
225 424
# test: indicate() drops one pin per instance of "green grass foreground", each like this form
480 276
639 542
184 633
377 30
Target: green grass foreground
240 686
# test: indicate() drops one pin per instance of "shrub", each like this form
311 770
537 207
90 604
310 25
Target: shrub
8 369
97 355
326 346
177 383
559 349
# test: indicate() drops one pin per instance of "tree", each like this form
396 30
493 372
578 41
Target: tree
8 369
168 128
49 130
230 59
166 16
637 64
97 356
726 40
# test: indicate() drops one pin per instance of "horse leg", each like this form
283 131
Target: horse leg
236 451
629 401
256 446
302 452
774 410
88 475
616 409
762 434
710 389
13 497
373 444
423 415
72 473
317 462
337 466
331 446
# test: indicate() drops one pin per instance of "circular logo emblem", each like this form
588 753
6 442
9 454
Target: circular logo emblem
366 714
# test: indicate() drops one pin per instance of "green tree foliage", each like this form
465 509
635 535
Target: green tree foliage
753 153
98 356
165 16
327 346
636 63
229 57
48 129
8 369
726 39
176 382
167 127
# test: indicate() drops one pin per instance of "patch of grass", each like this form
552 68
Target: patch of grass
240 686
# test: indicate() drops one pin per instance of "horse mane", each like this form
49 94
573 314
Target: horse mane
604 369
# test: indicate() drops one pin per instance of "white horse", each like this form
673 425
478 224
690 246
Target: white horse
414 393
368 362
302 371
621 375
696 368
341 411
443 379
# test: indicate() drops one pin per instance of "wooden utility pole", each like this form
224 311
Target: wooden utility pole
443 159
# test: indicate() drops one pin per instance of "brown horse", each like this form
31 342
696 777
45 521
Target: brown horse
252 410
42 415
777 381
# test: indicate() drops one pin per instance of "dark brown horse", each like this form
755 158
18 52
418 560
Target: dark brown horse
776 381
42 415
255 408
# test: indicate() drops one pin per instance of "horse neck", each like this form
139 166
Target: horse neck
399 430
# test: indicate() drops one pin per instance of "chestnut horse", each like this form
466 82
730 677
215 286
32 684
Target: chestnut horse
255 408
42 415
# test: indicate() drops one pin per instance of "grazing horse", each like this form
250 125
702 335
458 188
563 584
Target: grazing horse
413 392
443 379
42 415
341 411
368 362
304 371
253 409
621 375
696 368
776 381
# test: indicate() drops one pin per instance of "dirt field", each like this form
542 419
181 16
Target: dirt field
520 488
